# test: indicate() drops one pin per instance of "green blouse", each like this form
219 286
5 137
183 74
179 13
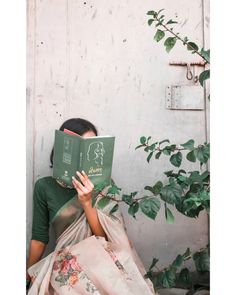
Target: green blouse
48 198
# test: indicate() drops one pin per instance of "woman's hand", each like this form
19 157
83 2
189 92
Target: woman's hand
85 197
85 189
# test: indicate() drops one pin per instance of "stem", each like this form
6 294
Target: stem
170 31
117 200
160 150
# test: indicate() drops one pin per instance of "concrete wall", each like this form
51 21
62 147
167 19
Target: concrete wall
98 60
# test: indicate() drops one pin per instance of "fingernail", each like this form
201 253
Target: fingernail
73 177
83 172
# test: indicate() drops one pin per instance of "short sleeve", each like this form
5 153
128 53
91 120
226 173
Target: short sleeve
40 227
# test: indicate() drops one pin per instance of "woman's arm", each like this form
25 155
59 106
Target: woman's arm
85 198
35 253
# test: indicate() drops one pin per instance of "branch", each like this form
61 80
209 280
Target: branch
179 38
117 200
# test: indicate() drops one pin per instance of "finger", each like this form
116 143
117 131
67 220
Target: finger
82 178
85 180
83 189
77 184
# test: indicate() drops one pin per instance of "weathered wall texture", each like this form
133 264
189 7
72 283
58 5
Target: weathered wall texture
98 60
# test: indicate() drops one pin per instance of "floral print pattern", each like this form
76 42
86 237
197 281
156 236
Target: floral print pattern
67 267
69 271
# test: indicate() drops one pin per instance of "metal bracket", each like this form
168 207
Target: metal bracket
189 74
184 64
184 97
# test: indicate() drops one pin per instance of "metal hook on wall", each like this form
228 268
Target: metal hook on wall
189 74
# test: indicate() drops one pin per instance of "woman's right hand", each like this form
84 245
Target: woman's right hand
85 189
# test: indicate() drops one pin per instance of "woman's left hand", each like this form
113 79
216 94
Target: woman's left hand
85 189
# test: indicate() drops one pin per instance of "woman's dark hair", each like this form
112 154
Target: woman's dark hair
77 125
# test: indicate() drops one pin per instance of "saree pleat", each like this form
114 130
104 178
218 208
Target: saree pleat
83 263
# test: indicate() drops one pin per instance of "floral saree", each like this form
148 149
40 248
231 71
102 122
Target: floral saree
85 264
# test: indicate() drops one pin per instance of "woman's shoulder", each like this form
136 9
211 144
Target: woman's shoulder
45 182
44 187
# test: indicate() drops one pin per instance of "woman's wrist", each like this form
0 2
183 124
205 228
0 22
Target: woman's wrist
87 204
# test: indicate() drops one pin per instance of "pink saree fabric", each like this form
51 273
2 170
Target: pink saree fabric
85 264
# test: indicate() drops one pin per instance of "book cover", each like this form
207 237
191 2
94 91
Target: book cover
74 153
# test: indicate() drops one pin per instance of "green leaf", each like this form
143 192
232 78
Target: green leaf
169 216
149 157
189 144
170 43
100 186
133 194
204 76
182 178
157 156
178 261
146 149
185 40
160 11
172 181
152 147
157 187
181 171
133 209
114 209
151 12
185 278
127 199
176 159
159 35
166 151
192 46
172 147
167 278
150 21
169 173
171 22
191 156
206 54
169 194
150 207
114 190
103 202
154 262
148 188
143 140
165 140
195 176
205 175
187 254
203 153
202 260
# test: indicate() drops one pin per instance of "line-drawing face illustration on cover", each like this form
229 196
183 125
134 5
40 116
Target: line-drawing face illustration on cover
96 152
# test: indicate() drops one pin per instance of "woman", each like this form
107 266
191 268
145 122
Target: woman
92 254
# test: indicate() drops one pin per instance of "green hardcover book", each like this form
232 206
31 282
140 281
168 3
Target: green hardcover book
74 153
